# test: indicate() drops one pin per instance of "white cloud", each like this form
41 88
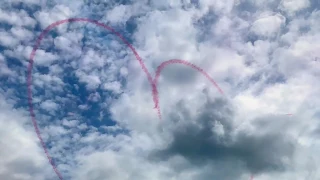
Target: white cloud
7 40
92 81
29 2
58 12
220 7
20 18
94 97
5 71
21 33
92 60
19 146
268 25
293 6
42 58
49 106
43 80
72 123
113 86
118 14
62 43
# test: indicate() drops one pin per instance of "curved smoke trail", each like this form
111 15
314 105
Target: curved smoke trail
29 74
177 61
153 82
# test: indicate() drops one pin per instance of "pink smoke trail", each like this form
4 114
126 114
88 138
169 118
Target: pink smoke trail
176 61
29 74
153 82
150 79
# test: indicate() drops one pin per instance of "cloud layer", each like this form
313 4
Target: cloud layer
94 104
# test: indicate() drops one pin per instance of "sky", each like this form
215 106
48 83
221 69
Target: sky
95 107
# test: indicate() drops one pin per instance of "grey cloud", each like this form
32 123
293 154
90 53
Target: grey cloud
200 145
179 74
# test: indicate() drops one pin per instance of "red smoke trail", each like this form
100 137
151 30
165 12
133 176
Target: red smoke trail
176 61
29 74
153 82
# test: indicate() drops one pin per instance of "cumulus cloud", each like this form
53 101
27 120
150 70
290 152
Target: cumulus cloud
268 25
17 17
293 6
22 157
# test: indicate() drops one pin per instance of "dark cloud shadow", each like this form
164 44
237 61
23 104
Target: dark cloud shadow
200 143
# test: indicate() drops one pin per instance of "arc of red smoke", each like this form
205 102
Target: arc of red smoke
29 73
177 61
153 82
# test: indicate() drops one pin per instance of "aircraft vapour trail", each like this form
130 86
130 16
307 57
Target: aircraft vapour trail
153 82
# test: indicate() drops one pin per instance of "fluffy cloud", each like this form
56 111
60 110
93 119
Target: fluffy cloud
293 6
22 157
